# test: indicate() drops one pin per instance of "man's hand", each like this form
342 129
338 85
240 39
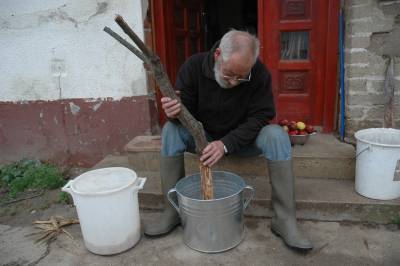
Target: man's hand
212 153
171 107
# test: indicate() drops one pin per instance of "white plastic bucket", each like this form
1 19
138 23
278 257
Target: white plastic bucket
107 204
378 163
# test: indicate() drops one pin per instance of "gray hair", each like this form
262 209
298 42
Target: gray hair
239 41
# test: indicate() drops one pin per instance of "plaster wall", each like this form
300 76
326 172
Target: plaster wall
69 92
57 49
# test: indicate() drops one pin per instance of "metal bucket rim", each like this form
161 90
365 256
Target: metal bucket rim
211 200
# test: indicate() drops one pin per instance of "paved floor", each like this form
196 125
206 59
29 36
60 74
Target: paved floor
335 244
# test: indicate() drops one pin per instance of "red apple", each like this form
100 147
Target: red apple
283 122
293 132
292 125
310 129
302 132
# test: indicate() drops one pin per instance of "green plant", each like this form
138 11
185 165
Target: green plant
396 220
64 198
30 174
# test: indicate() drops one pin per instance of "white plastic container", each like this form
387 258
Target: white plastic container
378 163
107 204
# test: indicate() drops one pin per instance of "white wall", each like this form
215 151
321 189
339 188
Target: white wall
57 49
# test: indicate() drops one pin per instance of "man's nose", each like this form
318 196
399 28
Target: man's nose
233 82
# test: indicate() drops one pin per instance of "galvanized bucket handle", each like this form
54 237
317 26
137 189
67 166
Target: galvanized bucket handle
247 201
172 190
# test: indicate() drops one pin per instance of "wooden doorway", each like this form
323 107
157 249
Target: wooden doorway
178 33
300 48
299 45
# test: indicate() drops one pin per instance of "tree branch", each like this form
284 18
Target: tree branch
187 120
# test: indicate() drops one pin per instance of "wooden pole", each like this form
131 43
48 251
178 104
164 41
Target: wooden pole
389 117
187 120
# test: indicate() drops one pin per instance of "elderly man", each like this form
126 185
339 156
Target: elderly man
229 90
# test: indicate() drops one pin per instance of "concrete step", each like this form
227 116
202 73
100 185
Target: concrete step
323 156
323 199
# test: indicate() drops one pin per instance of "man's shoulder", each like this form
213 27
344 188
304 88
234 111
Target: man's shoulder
260 68
194 64
197 58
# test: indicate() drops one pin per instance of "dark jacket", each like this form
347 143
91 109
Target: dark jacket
236 115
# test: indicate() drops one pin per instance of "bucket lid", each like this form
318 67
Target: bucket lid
385 137
104 180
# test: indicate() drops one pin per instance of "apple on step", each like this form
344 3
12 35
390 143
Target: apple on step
283 122
309 129
292 125
300 125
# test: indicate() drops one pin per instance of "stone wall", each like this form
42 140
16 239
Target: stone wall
372 36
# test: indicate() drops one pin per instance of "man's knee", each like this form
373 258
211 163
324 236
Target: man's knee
174 139
274 133
170 130
274 142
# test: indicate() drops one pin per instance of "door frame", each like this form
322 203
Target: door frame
329 74
164 34
162 43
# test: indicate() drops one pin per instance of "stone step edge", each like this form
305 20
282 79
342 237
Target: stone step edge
364 202
321 167
128 151
153 143
318 211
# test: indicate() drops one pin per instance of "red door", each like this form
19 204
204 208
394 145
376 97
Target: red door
299 46
178 34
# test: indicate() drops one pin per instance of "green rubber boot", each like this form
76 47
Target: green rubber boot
284 223
172 168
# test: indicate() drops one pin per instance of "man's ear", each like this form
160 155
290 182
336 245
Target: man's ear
217 53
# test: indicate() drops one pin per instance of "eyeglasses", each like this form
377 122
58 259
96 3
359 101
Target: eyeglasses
237 79
234 78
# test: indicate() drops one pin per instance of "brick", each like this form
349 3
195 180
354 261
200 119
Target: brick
357 42
397 101
396 68
355 112
375 112
356 71
371 69
356 85
362 20
376 25
375 86
353 125
356 57
359 11
375 59
390 8
367 100
350 3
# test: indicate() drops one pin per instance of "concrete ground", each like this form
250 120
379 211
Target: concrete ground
336 243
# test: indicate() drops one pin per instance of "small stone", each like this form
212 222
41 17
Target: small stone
33 211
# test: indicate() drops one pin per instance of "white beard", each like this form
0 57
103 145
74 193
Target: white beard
218 77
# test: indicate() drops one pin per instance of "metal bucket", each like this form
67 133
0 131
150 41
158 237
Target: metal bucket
212 225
